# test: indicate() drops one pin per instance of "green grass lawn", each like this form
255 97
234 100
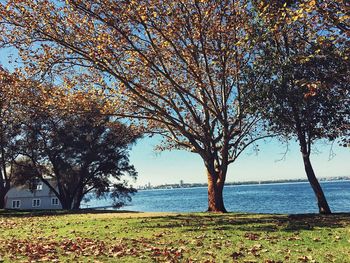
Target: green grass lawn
160 237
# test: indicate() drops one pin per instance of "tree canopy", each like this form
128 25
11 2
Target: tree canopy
76 154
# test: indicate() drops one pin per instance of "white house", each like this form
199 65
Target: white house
22 198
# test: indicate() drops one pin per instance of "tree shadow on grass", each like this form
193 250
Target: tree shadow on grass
251 222
215 222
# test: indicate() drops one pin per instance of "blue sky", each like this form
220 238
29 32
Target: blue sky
173 166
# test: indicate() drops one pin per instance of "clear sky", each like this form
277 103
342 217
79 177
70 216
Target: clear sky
173 166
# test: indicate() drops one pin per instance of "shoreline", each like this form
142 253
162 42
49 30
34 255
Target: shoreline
248 183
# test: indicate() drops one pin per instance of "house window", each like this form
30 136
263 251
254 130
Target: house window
16 203
36 202
39 187
54 201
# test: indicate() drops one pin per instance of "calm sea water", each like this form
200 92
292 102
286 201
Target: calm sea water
287 198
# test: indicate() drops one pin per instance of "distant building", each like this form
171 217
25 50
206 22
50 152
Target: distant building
22 198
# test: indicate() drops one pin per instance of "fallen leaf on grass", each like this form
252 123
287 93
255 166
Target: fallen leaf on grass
293 238
306 259
252 236
237 255
159 235
255 250
210 253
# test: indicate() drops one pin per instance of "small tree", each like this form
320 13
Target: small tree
308 96
81 153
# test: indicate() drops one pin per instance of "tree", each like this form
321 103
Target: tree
16 95
80 153
182 68
9 130
308 96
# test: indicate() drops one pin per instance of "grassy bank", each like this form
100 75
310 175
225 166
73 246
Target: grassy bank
160 237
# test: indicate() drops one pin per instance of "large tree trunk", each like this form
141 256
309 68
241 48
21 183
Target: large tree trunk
66 203
305 149
3 191
77 200
76 205
316 187
215 193
2 200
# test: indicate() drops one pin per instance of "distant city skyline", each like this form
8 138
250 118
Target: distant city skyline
182 184
170 167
